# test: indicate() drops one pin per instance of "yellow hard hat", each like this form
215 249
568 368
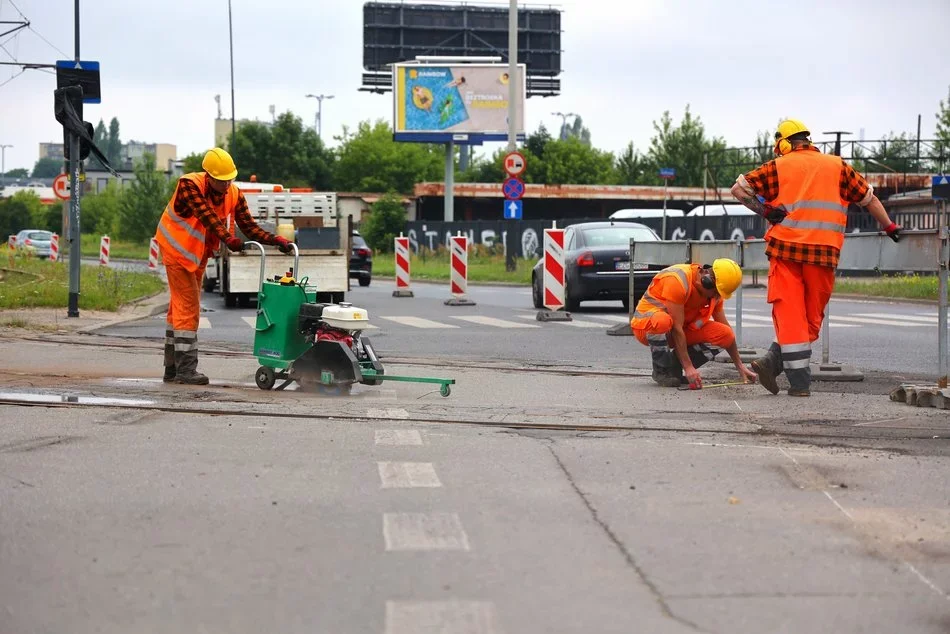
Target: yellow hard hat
219 165
728 276
788 128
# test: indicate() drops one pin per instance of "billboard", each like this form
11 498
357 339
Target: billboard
466 103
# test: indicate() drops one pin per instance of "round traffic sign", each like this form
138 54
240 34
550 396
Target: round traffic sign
513 188
61 186
515 163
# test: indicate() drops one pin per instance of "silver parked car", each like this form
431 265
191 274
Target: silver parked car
34 240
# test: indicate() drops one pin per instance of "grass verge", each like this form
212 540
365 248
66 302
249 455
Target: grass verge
30 283
434 265
896 286
117 248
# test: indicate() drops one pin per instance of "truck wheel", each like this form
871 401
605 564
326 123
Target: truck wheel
364 281
230 300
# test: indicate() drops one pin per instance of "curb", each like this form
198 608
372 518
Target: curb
143 309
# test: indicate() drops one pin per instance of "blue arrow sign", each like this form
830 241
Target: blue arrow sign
513 209
940 188
513 188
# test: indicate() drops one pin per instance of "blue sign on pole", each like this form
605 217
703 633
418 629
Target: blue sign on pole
85 74
667 172
513 188
513 209
940 188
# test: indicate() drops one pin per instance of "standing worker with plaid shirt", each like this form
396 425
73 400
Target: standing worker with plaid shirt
806 196
199 217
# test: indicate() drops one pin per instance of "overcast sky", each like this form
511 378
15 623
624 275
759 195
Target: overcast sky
741 65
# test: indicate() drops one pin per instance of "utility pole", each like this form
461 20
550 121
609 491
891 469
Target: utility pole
318 117
3 164
231 45
826 326
75 251
514 84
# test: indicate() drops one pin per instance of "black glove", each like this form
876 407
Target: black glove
283 244
893 231
774 215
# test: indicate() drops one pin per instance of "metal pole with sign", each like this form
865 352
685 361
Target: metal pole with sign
75 250
513 83
940 189
667 174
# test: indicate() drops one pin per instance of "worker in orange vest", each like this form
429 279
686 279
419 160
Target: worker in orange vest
201 214
805 195
681 318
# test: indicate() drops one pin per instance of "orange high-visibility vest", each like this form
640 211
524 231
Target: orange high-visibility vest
809 190
185 237
655 298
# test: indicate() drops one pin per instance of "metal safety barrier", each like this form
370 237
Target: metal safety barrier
922 251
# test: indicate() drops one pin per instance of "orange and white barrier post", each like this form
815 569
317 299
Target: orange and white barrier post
11 242
458 272
552 279
153 255
104 251
402 267
54 248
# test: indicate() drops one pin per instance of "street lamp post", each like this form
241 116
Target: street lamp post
3 164
318 117
564 116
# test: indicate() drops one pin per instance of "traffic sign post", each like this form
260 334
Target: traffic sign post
515 164
61 186
667 174
512 210
513 188
940 187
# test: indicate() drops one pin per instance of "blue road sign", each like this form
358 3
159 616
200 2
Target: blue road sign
86 74
940 188
513 209
513 188
667 172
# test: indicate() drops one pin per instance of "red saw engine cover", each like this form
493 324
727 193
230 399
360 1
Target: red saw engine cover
325 333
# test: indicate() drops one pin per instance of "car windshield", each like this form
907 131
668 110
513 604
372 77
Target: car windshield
617 236
39 235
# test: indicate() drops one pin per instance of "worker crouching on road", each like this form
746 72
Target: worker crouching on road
804 194
682 309
200 215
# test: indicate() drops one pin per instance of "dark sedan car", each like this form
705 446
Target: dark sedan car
361 260
597 264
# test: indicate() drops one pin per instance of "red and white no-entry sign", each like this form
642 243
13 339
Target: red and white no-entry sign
61 186
553 291
515 164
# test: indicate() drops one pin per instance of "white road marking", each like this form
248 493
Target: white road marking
576 322
204 323
407 475
874 322
393 413
491 321
441 617
418 322
619 319
927 319
424 531
398 437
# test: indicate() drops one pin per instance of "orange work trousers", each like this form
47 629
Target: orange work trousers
660 323
799 294
184 286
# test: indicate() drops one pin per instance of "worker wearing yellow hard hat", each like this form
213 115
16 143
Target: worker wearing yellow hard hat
202 213
805 195
681 317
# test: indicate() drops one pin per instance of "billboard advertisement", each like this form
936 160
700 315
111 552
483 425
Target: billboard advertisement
465 102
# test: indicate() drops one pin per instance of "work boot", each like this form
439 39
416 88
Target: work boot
169 376
799 381
769 367
186 359
667 370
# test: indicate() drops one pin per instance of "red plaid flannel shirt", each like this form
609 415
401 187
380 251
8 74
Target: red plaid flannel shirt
192 201
764 181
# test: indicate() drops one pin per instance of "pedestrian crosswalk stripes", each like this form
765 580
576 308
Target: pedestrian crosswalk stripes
591 321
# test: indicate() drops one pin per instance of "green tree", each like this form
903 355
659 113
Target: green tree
943 134
370 161
142 203
682 147
192 163
47 168
101 140
15 214
575 130
632 166
18 172
100 212
285 152
113 145
572 162
386 219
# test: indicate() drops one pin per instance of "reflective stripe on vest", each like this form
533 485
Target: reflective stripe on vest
649 304
810 192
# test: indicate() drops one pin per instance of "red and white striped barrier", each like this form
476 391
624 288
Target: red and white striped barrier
54 248
553 289
104 251
153 255
11 242
459 271
402 267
